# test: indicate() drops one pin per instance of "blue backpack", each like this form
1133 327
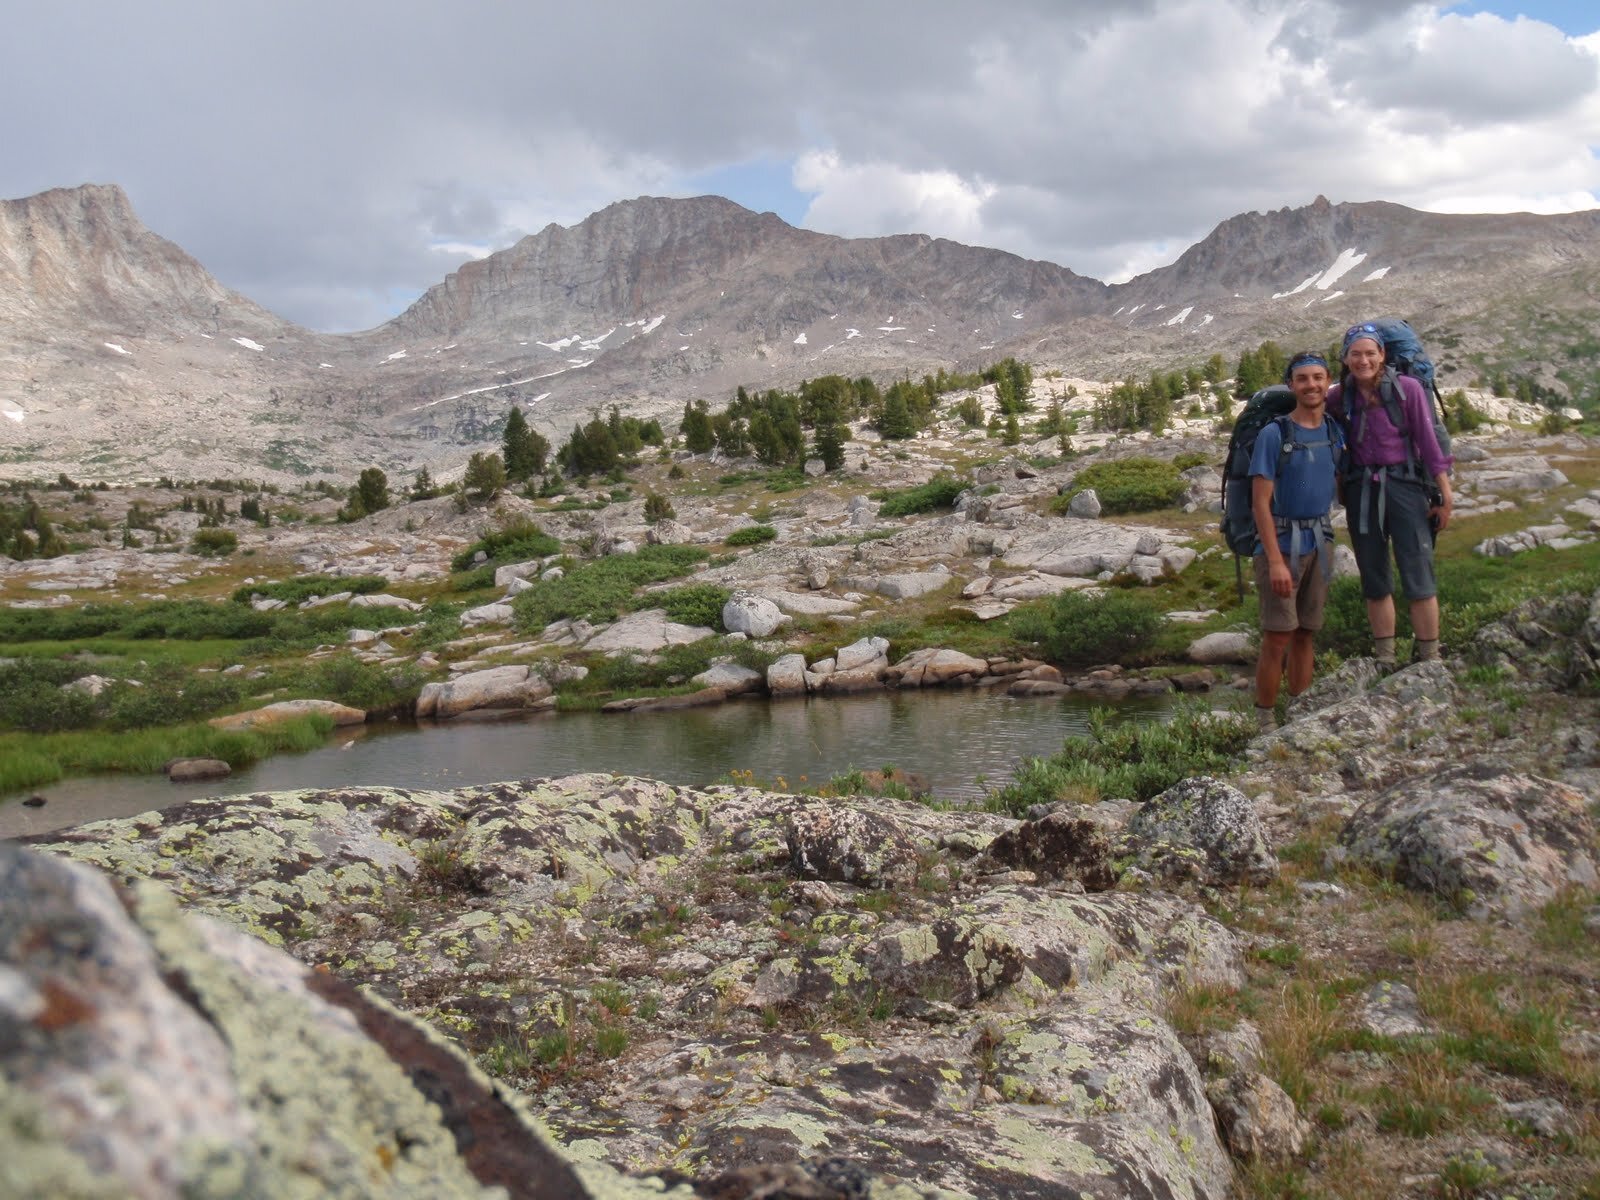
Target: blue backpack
1403 354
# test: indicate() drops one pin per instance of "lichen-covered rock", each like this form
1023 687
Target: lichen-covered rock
1042 941
900 1030
1550 642
1258 1117
1204 829
1480 835
150 1053
847 845
1058 845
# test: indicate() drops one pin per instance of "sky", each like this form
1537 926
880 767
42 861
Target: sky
333 160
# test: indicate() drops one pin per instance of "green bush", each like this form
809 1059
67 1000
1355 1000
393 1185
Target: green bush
600 590
1129 760
213 543
38 705
516 540
1128 485
939 492
693 604
1191 458
751 535
365 685
170 696
1081 630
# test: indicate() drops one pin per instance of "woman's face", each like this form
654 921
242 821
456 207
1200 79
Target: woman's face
1364 360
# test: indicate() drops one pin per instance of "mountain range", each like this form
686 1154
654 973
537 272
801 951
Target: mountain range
121 357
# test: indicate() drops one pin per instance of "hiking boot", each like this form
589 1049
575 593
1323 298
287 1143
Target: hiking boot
1266 719
1383 653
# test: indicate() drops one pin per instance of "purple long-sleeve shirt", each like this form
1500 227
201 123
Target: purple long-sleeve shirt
1381 444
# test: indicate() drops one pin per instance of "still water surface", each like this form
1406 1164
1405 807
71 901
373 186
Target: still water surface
960 742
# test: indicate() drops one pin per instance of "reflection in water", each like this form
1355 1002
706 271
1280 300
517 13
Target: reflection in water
960 742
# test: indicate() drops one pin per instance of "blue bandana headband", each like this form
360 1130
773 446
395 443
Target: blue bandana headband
1306 359
1356 332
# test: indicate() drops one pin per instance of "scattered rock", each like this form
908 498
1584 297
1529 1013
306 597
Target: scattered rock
191 770
287 710
1204 829
1258 1118
1480 835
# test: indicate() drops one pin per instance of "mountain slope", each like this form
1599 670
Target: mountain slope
121 356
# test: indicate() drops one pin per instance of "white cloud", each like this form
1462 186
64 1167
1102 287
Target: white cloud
364 149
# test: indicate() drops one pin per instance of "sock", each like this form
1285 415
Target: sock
1428 651
1383 649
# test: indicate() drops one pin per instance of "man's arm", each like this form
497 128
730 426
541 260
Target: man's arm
1261 489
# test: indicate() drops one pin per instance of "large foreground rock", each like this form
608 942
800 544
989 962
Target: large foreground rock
916 1023
148 1052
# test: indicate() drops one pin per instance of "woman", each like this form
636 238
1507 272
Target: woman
1396 492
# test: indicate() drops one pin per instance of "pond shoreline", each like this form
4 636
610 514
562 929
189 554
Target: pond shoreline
955 738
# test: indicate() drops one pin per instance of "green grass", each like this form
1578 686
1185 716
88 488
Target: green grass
30 760
1128 760
198 652
602 589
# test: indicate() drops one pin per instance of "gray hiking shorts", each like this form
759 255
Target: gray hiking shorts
1403 507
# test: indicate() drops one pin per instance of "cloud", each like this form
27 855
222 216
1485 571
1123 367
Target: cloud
326 159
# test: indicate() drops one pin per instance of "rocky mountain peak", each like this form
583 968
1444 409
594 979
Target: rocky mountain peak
80 257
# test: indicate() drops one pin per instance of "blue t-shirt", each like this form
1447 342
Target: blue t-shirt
1305 488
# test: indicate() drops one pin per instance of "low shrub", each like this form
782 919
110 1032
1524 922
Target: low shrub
303 587
1080 630
600 590
213 543
365 685
939 492
693 604
751 535
1128 485
1130 760
516 540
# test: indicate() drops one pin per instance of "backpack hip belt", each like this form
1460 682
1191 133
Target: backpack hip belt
1322 529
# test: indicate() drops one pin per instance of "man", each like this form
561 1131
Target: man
1387 496
1294 473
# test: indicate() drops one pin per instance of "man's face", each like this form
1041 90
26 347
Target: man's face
1309 383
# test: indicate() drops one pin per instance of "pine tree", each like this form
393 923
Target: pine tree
696 427
522 449
485 476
